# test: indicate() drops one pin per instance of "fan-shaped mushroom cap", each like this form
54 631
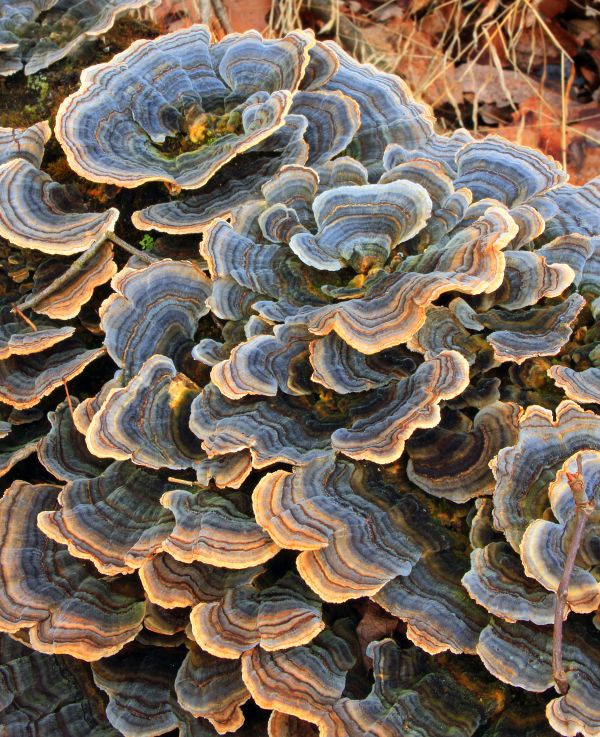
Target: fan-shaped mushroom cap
545 544
234 189
60 602
355 533
115 520
523 470
25 380
406 699
283 615
344 370
35 213
147 420
216 528
66 301
40 33
274 430
212 688
111 129
63 451
17 338
436 608
542 331
521 655
24 143
496 580
171 583
349 234
388 112
141 696
153 310
264 364
581 386
302 681
443 331
333 119
573 249
505 171
48 694
379 432
454 465
572 209
395 305
440 148
528 278
226 471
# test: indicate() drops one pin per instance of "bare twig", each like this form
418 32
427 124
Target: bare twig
222 16
23 317
205 11
68 395
583 509
184 482
74 269
130 249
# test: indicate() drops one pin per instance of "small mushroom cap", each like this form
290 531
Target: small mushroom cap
212 688
505 171
437 610
354 533
115 520
217 529
580 386
347 231
65 302
25 380
454 465
286 614
147 420
302 681
379 432
33 213
25 143
497 581
65 607
153 310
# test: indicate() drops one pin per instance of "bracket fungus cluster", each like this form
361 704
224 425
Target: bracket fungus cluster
330 442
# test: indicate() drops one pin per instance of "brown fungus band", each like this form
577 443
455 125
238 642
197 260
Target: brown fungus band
320 477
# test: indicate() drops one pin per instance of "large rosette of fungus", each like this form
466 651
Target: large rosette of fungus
178 108
37 33
327 462
231 110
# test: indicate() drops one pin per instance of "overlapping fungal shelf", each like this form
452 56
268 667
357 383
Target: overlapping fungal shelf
319 476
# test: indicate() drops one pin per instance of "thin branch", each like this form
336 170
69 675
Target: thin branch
74 269
222 16
68 395
23 317
130 249
205 11
583 509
